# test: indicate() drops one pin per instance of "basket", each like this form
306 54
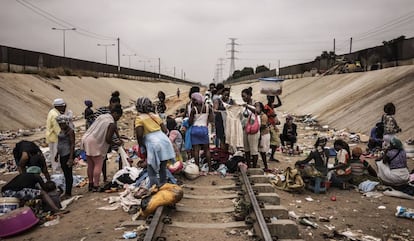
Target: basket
271 86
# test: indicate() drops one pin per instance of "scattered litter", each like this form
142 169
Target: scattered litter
395 193
403 212
249 233
129 235
111 207
373 194
298 201
293 215
119 228
273 219
309 199
307 222
382 207
329 227
324 219
67 202
358 235
52 222
232 232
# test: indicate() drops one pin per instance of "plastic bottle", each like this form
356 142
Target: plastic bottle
306 222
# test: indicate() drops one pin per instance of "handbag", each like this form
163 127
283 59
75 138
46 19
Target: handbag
252 128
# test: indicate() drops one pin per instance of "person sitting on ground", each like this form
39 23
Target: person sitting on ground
390 124
361 170
375 138
340 173
54 194
289 134
28 186
26 154
320 156
392 166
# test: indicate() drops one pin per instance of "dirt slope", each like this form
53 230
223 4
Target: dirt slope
354 101
26 99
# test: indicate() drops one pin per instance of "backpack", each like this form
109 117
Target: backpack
252 128
290 180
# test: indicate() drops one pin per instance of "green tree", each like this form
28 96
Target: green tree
261 68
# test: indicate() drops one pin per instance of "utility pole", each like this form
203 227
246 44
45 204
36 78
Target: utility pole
350 45
182 74
159 68
278 67
119 56
334 45
232 57
174 71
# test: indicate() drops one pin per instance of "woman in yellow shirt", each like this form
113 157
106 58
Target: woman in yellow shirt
151 135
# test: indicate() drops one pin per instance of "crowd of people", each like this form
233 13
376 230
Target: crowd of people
189 134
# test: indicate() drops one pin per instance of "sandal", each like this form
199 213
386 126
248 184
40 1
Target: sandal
98 189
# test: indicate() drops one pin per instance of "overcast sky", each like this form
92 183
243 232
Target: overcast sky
192 35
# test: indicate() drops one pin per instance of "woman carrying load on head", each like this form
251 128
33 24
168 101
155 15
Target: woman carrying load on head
273 123
153 141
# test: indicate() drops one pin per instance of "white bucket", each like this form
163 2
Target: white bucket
8 204
271 86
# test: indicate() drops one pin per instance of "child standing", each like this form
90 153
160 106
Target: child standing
66 150
264 141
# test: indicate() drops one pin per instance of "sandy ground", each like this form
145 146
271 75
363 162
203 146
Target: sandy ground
352 101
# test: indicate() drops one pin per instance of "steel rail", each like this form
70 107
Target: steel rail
263 229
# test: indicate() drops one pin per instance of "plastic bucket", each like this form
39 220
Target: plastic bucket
271 86
8 204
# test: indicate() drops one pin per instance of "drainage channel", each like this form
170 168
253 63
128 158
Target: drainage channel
207 212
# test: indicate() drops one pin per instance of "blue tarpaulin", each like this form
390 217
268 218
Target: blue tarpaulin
271 79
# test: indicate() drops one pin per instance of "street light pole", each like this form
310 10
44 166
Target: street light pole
144 61
106 50
64 38
129 58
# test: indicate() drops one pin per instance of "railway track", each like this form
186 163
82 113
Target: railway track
207 212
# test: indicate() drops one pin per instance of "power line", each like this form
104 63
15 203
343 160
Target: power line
396 21
62 22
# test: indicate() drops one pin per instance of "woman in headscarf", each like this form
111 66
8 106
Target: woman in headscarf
96 142
66 151
151 135
392 166
201 114
320 156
